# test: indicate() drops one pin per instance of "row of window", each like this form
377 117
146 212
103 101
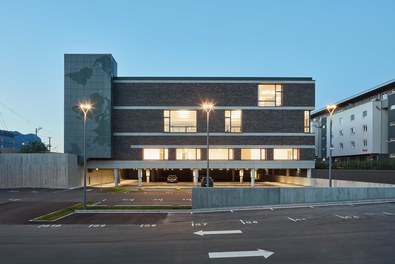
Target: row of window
352 117
352 144
184 121
353 130
221 154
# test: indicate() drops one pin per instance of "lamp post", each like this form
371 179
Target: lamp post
331 109
85 107
208 107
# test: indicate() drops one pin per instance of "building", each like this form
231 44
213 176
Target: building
13 141
150 127
363 126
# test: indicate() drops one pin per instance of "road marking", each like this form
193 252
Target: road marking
34 191
12 191
148 225
96 225
271 209
241 254
222 232
248 222
347 217
49 226
231 211
388 213
187 199
311 206
161 200
198 224
14 200
297 219
130 200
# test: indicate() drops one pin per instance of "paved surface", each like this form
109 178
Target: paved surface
333 234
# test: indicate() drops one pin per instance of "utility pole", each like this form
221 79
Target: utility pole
49 144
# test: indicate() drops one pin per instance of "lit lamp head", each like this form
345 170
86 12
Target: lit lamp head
207 107
331 108
85 107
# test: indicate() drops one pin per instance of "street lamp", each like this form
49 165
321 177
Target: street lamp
85 108
331 109
208 107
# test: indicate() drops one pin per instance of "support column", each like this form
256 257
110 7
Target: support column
147 174
233 175
241 173
140 177
116 178
253 172
287 172
195 177
308 173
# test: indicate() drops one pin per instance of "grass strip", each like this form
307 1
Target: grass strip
62 212
117 190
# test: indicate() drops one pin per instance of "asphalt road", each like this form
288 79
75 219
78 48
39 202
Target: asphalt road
333 234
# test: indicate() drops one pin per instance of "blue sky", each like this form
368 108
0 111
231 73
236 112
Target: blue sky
346 46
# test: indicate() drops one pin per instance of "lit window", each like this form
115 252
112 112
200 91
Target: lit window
352 144
187 154
352 130
364 114
233 121
392 155
286 154
392 139
365 142
341 146
221 154
253 154
155 154
365 128
307 121
341 120
352 117
270 95
392 107
392 123
181 121
341 133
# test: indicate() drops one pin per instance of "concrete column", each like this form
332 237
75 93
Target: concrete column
308 173
116 178
147 174
253 172
241 173
233 175
140 177
287 172
195 177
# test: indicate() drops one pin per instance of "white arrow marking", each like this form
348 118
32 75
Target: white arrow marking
241 254
224 232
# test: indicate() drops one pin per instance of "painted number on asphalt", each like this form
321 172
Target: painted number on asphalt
297 219
244 222
187 199
96 225
158 200
148 225
49 226
130 200
198 224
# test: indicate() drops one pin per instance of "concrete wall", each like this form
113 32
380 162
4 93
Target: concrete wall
377 176
98 177
39 171
238 197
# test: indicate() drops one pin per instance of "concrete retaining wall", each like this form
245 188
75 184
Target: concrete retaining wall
238 197
98 177
377 176
39 171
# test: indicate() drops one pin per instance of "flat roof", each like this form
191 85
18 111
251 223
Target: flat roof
214 79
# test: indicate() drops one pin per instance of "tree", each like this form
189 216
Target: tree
34 147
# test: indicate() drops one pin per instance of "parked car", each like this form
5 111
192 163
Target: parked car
210 182
172 179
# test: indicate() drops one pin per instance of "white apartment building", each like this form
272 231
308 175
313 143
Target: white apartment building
363 126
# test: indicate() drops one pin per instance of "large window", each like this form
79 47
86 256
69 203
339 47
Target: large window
221 154
181 121
188 154
253 154
233 121
155 154
307 121
270 95
285 154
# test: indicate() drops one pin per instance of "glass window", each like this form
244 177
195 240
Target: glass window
221 154
270 95
365 142
341 120
341 145
352 117
392 123
364 114
155 154
181 121
285 154
253 154
365 128
233 121
392 155
341 133
352 144
307 121
188 154
352 130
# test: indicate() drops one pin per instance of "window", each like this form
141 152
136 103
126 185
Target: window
392 107
352 144
365 142
352 117
341 120
270 95
392 123
233 121
384 96
365 128
155 154
285 154
341 133
221 154
188 154
352 130
341 146
392 139
181 121
392 155
364 114
307 121
253 154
